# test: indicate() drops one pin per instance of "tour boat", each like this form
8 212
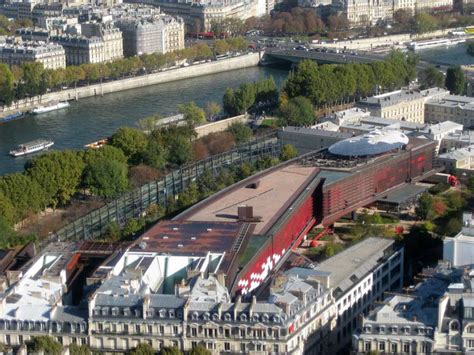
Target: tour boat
31 147
434 43
50 107
12 117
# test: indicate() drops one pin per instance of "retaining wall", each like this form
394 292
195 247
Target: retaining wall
240 62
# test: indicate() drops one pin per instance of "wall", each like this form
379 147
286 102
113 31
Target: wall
384 41
219 126
244 61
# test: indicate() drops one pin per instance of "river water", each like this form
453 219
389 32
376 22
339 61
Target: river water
91 119
447 55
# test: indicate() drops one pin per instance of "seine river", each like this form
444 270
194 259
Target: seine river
448 55
91 119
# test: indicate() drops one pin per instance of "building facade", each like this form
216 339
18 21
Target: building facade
405 105
52 56
98 44
459 109
158 35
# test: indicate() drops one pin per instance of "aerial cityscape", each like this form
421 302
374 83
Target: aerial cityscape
236 177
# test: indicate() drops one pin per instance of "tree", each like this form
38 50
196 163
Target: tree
107 152
180 149
431 77
455 81
403 18
470 48
424 208
7 81
212 109
44 343
24 193
107 178
221 47
298 112
218 142
75 349
148 124
193 114
133 226
143 349
189 196
241 132
131 141
170 351
452 227
111 232
199 350
58 173
424 22
7 210
288 152
156 153
206 184
32 78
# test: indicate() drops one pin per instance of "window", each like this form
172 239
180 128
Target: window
394 348
227 346
125 328
162 329
175 329
275 348
150 329
382 346
368 346
406 347
137 329
243 347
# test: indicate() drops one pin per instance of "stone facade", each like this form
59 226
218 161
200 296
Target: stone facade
160 35
52 56
98 45
459 109
406 105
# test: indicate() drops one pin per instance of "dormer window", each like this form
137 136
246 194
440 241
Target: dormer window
126 311
265 317
243 318
276 319
172 313
206 316
105 311
382 329
215 316
115 311
195 316
394 330
162 313
227 317
406 330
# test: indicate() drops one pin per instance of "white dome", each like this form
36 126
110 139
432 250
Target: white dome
372 143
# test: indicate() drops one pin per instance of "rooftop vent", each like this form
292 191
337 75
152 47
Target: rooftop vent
165 237
253 185
175 228
193 238
142 245
209 229
180 245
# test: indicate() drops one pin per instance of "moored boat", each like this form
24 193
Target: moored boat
434 43
12 117
31 147
54 106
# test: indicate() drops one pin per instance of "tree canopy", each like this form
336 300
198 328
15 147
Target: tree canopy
106 178
58 173
297 112
455 81
131 141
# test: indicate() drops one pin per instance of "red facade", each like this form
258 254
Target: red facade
293 228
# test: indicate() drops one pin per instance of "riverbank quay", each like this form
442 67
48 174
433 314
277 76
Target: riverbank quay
390 41
100 89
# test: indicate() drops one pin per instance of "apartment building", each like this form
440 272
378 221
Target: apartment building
359 276
97 44
456 108
406 105
408 323
51 55
156 35
140 294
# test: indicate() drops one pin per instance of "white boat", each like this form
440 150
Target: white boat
50 107
31 147
434 43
